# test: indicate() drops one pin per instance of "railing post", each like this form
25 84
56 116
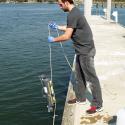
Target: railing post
108 10
87 8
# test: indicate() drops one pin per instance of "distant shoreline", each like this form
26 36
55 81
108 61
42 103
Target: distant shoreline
115 4
8 2
121 4
51 1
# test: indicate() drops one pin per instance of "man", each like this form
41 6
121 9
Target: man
79 31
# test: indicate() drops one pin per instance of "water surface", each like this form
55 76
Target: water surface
24 55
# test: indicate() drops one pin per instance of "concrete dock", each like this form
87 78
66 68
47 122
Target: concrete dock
109 40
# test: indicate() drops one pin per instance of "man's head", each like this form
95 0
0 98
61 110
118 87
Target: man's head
65 4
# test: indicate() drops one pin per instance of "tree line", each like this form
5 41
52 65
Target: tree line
94 1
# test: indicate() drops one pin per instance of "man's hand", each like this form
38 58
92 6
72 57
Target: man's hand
50 39
53 25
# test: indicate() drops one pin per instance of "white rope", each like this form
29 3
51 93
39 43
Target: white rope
51 75
54 115
51 62
64 52
50 54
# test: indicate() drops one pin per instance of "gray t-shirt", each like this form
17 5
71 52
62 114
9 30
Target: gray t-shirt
82 35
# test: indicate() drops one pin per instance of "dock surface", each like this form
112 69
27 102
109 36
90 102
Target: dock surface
109 40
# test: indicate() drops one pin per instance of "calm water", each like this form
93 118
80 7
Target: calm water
24 55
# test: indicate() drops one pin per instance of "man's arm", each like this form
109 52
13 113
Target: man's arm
66 36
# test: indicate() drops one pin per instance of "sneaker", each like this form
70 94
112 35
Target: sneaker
91 110
94 109
73 101
99 109
82 102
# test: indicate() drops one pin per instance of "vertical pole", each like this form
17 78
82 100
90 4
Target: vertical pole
87 8
108 10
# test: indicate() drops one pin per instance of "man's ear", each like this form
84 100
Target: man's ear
66 3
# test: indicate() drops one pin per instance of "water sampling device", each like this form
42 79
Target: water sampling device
48 92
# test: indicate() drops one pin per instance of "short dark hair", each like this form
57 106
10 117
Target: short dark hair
70 1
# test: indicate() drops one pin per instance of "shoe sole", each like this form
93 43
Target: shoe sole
81 103
99 110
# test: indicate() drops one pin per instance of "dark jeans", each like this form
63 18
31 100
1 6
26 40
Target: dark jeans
85 71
